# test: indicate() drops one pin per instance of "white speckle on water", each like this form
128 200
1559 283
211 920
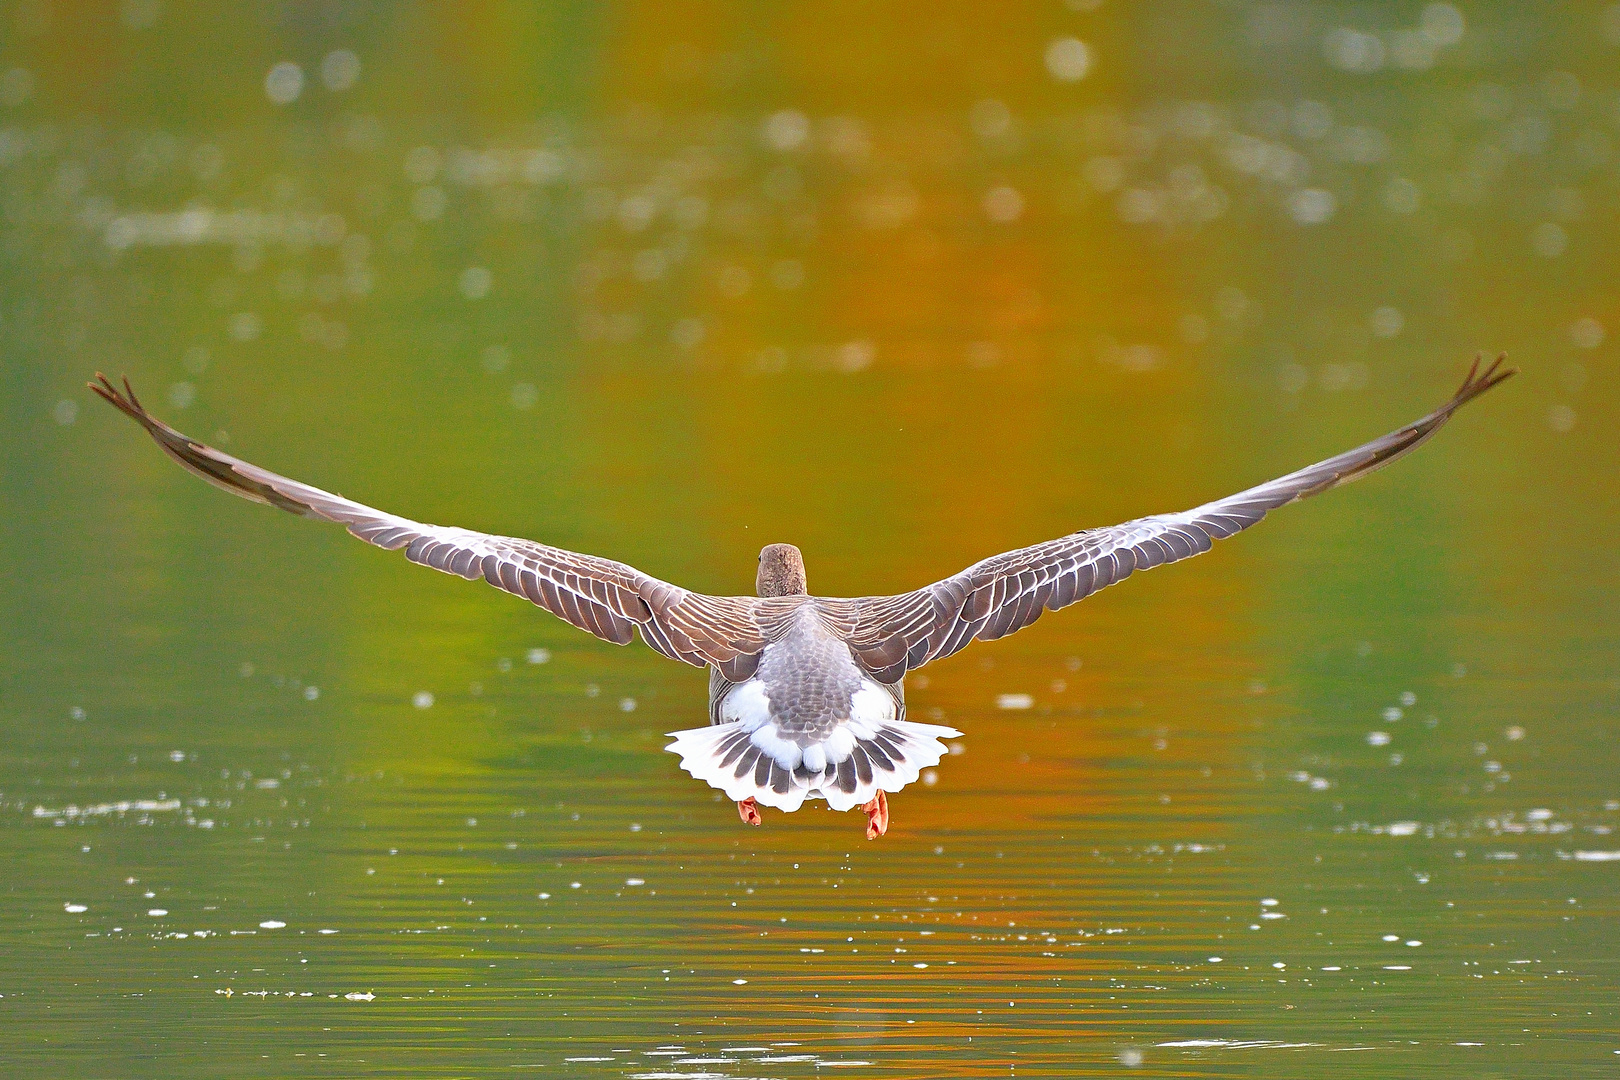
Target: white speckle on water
1014 701
74 909
355 996
538 656
1268 902
1130 1057
1216 959
1378 738
1279 965
311 693
627 704
545 896
422 699
1333 967
1414 943
1597 856
1397 967
1392 714
326 931
271 924
1402 828
1408 698
573 884
1539 815
739 982
635 881
157 912
1392 937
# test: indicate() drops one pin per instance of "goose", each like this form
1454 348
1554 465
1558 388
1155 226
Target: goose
806 693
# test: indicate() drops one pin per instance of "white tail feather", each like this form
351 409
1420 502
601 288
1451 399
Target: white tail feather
854 772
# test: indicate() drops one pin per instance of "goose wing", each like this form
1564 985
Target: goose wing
608 599
894 634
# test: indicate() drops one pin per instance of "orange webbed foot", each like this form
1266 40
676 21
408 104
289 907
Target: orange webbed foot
877 815
748 810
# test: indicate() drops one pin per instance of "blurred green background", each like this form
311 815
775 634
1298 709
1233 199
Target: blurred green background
903 284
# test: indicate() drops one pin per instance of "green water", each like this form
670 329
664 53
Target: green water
667 283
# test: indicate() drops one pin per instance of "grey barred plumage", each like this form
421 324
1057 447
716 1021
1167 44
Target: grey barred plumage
805 693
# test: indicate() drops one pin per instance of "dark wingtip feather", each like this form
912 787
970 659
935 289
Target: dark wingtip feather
125 401
1479 382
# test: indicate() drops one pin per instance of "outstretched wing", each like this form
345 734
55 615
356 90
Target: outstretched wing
894 634
606 598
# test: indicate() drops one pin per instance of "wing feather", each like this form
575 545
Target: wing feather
893 634
606 598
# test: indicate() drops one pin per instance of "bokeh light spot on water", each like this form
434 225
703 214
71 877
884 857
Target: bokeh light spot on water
284 82
340 69
1586 332
1068 59
1353 50
787 130
475 282
245 326
1312 206
16 87
1003 204
990 119
428 203
1387 322
1549 239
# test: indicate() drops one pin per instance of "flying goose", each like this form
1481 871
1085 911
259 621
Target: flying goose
806 696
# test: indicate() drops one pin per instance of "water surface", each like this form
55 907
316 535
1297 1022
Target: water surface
1338 798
